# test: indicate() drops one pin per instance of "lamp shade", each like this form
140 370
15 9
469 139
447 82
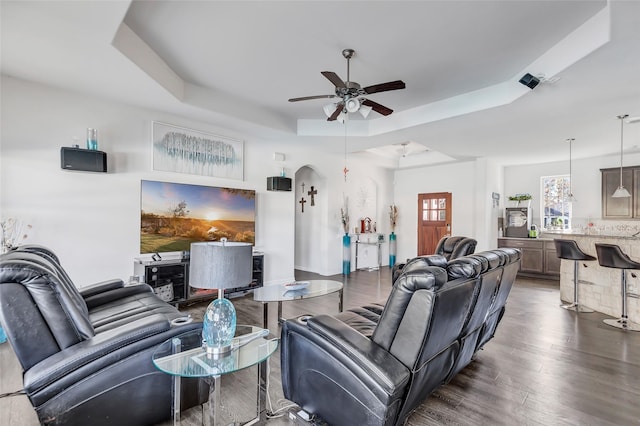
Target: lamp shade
220 265
621 192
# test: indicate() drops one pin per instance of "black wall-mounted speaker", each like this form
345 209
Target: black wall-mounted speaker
85 160
529 81
278 183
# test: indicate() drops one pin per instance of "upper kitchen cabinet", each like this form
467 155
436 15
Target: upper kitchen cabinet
621 208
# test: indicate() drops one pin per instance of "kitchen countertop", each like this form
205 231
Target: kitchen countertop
541 238
562 234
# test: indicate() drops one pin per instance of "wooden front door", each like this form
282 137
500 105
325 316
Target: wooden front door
434 220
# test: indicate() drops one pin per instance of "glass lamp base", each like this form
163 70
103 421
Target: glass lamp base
219 326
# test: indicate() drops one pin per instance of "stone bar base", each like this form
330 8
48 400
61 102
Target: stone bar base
600 288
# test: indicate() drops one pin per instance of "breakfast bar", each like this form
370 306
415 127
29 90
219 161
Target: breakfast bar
600 287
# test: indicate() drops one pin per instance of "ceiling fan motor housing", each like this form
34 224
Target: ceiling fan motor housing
351 90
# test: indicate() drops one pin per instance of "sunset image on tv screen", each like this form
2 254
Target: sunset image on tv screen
174 215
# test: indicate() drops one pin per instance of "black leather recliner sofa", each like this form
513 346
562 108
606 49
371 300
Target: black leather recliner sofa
375 364
86 355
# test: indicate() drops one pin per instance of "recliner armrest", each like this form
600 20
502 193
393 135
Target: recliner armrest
101 287
115 294
375 362
92 355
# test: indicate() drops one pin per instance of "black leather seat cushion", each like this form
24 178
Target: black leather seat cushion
568 249
611 256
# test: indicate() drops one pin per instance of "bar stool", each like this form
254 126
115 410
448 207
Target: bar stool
610 256
569 250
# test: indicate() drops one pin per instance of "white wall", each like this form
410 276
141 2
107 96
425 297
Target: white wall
309 231
461 179
319 229
91 220
491 176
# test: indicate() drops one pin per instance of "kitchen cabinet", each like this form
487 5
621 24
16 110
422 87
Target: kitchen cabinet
538 257
621 208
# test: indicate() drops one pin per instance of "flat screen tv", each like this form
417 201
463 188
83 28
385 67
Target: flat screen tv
174 215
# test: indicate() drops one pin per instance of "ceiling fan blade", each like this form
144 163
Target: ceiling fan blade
336 113
380 109
306 98
385 87
333 77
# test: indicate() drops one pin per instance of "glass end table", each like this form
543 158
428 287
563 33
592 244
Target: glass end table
184 356
282 293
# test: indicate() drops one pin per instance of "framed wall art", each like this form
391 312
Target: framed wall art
182 150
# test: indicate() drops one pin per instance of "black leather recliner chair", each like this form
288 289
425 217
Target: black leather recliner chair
449 247
375 364
86 356
455 247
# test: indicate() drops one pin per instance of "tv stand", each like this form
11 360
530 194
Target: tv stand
169 278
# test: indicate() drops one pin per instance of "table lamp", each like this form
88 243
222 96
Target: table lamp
220 265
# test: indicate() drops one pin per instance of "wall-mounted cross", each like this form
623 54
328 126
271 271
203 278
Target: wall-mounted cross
312 193
302 201
302 185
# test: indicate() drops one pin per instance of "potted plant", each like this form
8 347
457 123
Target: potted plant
520 198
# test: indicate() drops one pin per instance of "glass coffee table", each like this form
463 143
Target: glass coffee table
282 293
184 356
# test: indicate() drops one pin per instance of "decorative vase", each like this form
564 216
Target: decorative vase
392 249
346 254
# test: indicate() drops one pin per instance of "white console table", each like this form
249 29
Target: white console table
374 240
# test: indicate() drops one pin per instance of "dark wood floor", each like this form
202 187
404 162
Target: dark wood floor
546 365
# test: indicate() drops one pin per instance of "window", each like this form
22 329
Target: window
556 210
434 209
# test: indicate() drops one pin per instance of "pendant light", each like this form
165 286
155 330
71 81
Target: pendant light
621 192
570 197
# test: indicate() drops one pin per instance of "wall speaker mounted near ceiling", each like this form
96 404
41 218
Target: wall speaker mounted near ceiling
278 183
85 160
529 80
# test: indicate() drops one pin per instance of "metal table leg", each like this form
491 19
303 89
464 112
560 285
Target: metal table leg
280 319
211 410
175 391
265 314
263 386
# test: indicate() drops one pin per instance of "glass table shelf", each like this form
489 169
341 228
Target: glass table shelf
184 356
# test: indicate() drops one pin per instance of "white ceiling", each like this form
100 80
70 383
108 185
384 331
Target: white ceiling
238 62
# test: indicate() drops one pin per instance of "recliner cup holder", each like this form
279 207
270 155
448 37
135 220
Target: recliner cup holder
303 318
181 321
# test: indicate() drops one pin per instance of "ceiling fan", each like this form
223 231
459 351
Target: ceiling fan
352 95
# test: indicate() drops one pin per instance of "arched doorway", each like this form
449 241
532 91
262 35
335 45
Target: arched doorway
310 220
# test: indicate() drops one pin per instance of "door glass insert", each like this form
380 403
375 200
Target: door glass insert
434 210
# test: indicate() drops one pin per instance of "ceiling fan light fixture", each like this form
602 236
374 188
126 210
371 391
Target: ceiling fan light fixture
340 118
364 111
329 109
352 104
